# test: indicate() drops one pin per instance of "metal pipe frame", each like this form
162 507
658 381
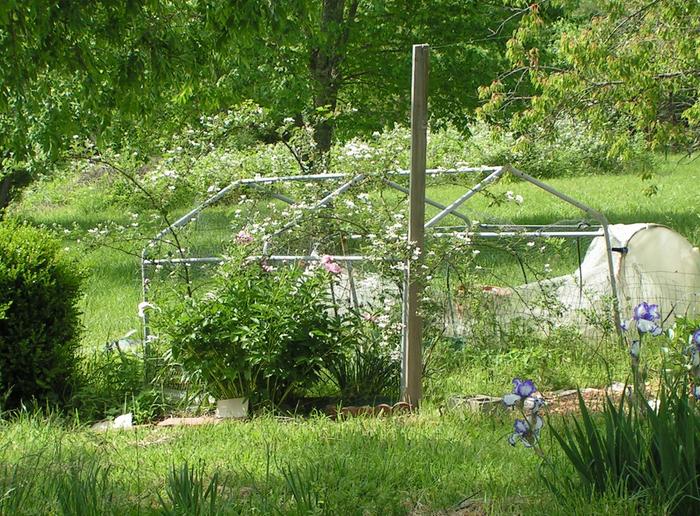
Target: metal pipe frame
494 176
320 204
526 234
272 257
428 201
494 173
255 182
594 214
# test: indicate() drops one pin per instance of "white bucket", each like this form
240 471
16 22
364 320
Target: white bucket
232 408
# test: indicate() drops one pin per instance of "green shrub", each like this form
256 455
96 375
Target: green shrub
40 319
258 334
110 381
570 149
636 450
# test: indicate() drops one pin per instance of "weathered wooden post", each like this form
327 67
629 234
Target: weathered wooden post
412 366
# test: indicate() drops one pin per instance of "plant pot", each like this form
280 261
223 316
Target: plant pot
232 408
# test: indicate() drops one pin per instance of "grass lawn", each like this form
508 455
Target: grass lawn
424 464
418 464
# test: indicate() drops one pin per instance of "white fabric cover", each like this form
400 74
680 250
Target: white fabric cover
659 266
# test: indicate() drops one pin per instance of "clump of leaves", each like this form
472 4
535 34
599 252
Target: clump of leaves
40 287
636 449
260 333
368 368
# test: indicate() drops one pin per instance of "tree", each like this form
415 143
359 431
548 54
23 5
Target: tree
630 68
87 69
122 73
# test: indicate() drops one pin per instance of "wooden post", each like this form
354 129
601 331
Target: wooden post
412 366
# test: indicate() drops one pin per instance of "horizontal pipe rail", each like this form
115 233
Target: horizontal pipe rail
273 258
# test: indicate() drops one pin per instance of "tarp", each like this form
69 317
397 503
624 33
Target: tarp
651 263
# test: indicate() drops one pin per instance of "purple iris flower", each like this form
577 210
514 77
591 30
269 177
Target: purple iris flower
647 318
646 312
695 339
521 389
526 431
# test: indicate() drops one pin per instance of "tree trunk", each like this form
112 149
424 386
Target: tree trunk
5 184
326 76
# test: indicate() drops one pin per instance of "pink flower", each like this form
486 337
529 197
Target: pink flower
243 237
330 265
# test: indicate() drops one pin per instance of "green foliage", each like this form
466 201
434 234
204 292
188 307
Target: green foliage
187 492
628 67
112 383
258 334
368 368
85 489
636 450
570 148
302 483
40 327
110 379
128 77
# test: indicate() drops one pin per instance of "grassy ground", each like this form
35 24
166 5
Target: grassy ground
411 465
418 464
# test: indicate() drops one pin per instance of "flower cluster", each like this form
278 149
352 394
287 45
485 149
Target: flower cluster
526 430
330 265
243 237
511 197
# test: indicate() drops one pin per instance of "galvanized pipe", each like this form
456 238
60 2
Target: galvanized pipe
458 202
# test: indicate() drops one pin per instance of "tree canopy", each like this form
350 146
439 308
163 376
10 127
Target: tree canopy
125 74
630 68
120 72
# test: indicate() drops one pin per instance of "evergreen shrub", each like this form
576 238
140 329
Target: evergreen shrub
39 317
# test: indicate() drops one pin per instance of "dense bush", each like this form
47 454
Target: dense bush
260 333
39 316
571 149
